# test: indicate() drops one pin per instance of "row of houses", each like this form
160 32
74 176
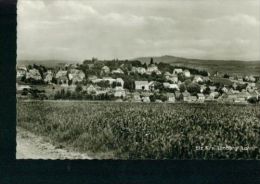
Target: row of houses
63 76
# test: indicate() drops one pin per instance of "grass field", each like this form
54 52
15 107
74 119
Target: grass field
146 131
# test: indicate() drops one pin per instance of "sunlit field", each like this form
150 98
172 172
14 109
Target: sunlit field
147 131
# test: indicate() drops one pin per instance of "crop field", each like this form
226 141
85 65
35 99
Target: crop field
147 131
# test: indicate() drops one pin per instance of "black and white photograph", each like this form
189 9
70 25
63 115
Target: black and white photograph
138 79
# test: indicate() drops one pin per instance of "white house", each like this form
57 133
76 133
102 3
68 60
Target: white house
76 75
119 92
142 85
177 71
186 73
146 99
21 72
152 69
33 74
109 79
139 70
174 86
214 94
48 76
121 81
171 77
201 97
117 71
171 97
197 79
105 70
61 76
22 87
91 89
202 88
251 87
212 88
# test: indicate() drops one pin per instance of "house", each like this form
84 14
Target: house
109 79
158 101
76 75
174 86
171 97
209 98
22 87
151 85
212 88
251 87
167 74
166 84
139 70
105 70
202 88
197 79
91 89
117 71
177 71
186 73
33 74
214 94
92 77
241 97
201 97
146 99
252 78
185 96
170 86
97 80
61 76
48 76
224 89
120 81
192 99
172 77
119 92
142 85
153 69
21 72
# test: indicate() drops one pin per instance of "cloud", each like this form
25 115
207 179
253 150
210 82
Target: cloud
238 19
126 29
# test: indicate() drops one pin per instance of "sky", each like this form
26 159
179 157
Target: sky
125 29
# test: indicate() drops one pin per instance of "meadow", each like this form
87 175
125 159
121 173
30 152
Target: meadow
147 131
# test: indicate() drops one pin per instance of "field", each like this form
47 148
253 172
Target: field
147 131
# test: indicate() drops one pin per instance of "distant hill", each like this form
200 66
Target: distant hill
46 63
222 66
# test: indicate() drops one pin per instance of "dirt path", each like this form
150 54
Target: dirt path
30 146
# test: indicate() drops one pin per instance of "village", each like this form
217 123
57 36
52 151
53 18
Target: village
133 81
